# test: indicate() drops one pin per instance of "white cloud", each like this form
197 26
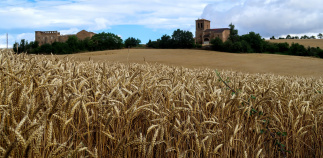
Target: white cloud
69 16
100 14
269 17
69 31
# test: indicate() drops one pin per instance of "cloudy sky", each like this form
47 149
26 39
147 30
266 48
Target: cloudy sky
150 19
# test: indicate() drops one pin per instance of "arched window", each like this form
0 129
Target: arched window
202 25
198 25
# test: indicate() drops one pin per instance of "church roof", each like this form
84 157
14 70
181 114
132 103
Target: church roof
218 30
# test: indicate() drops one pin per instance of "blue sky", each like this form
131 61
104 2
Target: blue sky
150 19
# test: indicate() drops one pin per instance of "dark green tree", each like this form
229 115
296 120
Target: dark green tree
272 38
312 37
73 44
132 42
255 41
234 37
88 43
104 41
45 48
183 39
61 48
217 44
288 37
166 42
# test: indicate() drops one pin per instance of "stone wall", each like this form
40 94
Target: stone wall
53 36
84 34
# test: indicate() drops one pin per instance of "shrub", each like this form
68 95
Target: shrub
217 44
227 46
46 48
271 47
283 47
297 49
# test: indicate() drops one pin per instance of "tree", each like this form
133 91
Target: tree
320 36
183 39
255 41
217 44
73 44
132 42
104 41
61 48
88 43
288 37
312 37
272 38
296 37
46 48
153 44
234 37
305 37
166 42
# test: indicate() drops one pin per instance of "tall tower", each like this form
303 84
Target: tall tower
201 26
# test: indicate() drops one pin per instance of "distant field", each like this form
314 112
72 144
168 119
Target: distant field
190 58
305 42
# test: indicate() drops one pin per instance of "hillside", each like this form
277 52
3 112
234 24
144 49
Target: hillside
249 63
305 42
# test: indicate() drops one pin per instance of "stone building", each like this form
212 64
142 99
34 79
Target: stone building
204 34
53 36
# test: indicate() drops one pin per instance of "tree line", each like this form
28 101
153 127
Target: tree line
98 42
320 36
179 39
254 43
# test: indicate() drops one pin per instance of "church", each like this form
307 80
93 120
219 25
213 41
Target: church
203 33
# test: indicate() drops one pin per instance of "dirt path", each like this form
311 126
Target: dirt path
251 63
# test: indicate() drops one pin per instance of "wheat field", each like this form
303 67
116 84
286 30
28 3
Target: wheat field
54 107
306 42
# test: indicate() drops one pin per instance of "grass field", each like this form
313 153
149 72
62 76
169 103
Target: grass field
306 42
249 63
57 107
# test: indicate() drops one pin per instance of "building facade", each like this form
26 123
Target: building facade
203 33
43 37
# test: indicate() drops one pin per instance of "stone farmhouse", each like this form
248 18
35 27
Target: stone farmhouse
50 37
204 34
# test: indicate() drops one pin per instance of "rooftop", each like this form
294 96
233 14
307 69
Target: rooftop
202 20
217 30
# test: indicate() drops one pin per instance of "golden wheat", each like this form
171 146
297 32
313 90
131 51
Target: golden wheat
64 108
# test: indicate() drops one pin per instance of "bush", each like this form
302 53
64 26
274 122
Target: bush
46 48
297 49
61 48
246 48
227 46
271 47
217 44
198 45
283 47
237 47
